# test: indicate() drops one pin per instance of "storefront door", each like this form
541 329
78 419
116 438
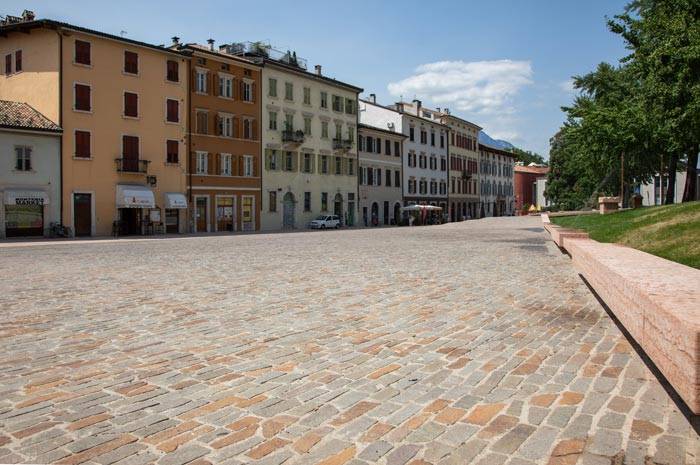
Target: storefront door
225 219
82 214
24 220
200 213
130 221
172 221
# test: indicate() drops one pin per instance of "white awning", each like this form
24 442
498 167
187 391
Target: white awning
130 196
25 197
175 200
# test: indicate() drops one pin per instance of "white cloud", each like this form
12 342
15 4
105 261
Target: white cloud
479 87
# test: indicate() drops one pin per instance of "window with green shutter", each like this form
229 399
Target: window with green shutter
272 87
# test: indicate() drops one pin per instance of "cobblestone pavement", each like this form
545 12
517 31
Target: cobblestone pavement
463 343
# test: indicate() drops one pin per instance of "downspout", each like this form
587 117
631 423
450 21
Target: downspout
60 120
357 159
189 133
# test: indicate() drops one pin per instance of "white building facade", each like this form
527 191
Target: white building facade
380 176
309 143
496 178
30 167
424 150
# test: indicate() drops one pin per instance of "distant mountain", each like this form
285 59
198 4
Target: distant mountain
497 143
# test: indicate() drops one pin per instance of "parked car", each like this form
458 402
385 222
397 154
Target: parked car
325 221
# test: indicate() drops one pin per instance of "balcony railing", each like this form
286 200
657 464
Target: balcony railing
293 136
132 165
342 144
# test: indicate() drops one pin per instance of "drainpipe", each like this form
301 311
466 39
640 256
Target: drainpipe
60 122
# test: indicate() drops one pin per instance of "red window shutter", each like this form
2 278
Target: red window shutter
82 144
173 71
172 148
18 61
130 104
254 125
82 52
173 111
236 128
82 97
130 147
8 64
131 62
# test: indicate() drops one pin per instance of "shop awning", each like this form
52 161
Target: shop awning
25 197
175 200
131 196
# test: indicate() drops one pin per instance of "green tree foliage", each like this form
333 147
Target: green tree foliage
527 157
645 111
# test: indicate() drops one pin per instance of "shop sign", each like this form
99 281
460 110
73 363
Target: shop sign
28 201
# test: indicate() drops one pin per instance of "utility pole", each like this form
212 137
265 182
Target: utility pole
622 179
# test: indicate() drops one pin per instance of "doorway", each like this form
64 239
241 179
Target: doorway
338 206
82 214
386 212
397 213
129 221
201 204
172 220
225 218
288 211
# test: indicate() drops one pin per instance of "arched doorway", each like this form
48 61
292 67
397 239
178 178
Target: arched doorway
397 213
338 207
374 218
288 204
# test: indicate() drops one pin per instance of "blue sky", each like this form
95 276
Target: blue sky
501 64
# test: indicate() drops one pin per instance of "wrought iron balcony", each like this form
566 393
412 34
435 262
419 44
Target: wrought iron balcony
342 144
132 165
293 136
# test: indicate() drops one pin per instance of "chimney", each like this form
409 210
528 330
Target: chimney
438 109
176 40
318 69
373 98
418 105
399 107
211 44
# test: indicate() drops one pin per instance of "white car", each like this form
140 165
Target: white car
325 221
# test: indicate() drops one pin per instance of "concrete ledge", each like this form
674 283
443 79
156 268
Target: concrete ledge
658 302
560 235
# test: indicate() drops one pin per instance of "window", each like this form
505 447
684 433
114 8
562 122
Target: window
82 144
387 181
273 120
397 178
324 164
272 200
288 161
379 145
338 131
131 62
338 165
307 163
307 125
397 149
337 103
370 176
432 138
307 96
324 129
202 162
246 91
131 104
361 143
82 98
18 61
272 91
202 121
201 81
351 167
226 164
8 64
412 134
387 147
443 164
247 165
288 91
442 140
82 53
225 86
423 136
225 125
172 151
273 159
324 201
379 176
173 111
350 106
324 99
288 122
248 129
130 148
173 71
24 158
307 201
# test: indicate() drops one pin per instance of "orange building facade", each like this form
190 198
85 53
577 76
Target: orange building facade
224 172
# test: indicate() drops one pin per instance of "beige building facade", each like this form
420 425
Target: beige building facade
123 107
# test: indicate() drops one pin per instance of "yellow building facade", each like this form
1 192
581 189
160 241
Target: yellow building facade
123 106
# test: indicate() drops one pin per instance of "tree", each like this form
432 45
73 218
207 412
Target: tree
527 157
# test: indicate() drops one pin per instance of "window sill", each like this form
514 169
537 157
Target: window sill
168 163
75 157
126 73
176 83
82 65
172 123
87 112
24 171
199 92
135 118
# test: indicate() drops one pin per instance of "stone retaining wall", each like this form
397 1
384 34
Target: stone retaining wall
657 301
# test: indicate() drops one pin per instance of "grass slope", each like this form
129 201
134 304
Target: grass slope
669 231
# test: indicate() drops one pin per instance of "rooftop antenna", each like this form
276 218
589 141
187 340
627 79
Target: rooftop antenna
122 33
